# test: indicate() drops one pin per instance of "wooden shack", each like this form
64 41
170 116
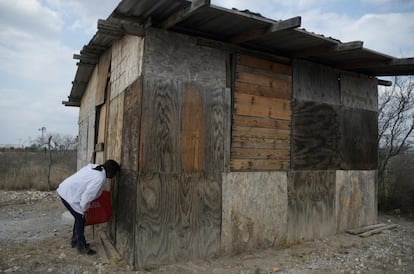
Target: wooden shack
234 131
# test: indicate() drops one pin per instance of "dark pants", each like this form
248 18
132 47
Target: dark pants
78 232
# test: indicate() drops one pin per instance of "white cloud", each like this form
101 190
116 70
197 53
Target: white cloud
29 16
85 12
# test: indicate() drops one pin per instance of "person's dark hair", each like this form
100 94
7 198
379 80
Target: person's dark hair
111 168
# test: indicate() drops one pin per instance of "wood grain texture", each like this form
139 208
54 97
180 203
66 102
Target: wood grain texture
215 118
178 217
259 106
160 127
103 72
315 136
359 147
125 212
261 116
192 130
114 132
314 82
132 125
356 203
254 211
359 91
311 205
264 65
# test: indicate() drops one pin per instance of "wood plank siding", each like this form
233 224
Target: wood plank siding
261 115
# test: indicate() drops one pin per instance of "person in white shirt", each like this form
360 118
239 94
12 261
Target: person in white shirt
76 193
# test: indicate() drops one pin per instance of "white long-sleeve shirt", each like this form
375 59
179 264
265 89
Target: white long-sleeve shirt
82 187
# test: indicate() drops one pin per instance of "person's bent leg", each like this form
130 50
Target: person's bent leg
82 246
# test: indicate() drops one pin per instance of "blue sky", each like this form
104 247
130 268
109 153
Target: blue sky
39 37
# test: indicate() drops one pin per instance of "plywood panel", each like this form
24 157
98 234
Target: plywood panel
160 127
102 124
132 124
114 132
356 203
192 130
178 218
359 131
125 213
103 73
359 91
311 205
315 136
254 211
215 116
314 82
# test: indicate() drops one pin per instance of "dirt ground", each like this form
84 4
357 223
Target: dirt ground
33 239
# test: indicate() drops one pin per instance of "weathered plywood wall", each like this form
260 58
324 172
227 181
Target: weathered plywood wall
181 151
261 115
126 188
315 133
178 217
254 211
355 199
311 209
87 121
334 126
126 65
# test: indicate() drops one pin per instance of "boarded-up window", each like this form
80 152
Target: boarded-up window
261 116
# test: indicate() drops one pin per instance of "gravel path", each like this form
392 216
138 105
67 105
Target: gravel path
33 239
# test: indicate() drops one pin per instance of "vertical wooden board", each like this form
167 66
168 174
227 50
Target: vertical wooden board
125 213
192 130
102 124
313 82
114 132
103 70
311 205
215 116
83 144
160 126
315 136
254 211
356 203
359 91
154 210
359 131
131 128
178 218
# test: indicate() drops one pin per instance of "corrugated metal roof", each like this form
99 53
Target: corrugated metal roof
243 29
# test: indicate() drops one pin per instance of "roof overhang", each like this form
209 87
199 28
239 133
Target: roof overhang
241 30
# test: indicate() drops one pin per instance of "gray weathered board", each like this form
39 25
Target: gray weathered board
178 217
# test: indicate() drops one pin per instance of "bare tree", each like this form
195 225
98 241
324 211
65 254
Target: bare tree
395 128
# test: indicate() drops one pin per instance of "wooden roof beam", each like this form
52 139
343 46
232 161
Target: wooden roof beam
86 58
291 23
184 13
376 64
362 65
118 29
384 83
318 51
